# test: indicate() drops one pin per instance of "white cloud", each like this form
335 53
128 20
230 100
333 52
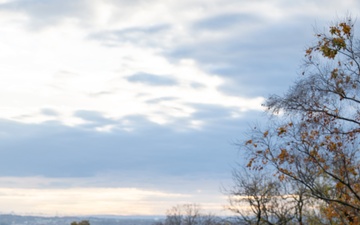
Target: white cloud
34 77
33 60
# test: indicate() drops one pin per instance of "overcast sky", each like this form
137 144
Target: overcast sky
133 106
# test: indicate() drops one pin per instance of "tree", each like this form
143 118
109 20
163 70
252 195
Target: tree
190 214
187 214
83 222
313 135
259 199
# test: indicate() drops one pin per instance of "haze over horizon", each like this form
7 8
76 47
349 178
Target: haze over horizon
131 107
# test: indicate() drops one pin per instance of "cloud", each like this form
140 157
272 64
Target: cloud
249 60
159 100
49 112
225 21
54 150
151 79
207 111
51 12
53 157
93 117
142 36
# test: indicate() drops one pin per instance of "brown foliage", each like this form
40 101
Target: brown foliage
315 140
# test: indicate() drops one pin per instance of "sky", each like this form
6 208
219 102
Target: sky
129 107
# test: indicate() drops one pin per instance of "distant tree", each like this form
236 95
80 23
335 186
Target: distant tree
210 219
83 222
189 214
313 136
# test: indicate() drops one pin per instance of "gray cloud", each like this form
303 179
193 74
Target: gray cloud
225 21
152 79
217 117
93 116
197 85
145 36
49 112
158 100
206 111
101 93
54 150
262 62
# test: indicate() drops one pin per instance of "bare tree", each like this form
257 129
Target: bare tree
174 216
190 214
187 214
259 199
